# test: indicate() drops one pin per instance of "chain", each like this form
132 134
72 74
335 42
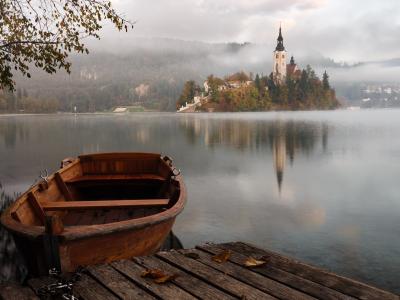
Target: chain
62 288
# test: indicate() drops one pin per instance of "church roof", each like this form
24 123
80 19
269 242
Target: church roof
279 46
290 69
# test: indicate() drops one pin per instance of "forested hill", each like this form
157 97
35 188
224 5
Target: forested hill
151 73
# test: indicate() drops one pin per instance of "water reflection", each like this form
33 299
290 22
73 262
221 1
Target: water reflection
320 186
281 138
279 146
12 267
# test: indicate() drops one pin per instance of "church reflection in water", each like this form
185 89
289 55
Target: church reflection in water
283 140
279 150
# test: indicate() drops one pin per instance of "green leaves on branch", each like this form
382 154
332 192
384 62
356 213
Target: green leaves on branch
44 32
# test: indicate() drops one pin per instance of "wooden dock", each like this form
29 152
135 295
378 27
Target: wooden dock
198 276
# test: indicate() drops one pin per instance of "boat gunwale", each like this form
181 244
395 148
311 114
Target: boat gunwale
71 233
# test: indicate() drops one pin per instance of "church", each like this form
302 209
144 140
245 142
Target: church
280 69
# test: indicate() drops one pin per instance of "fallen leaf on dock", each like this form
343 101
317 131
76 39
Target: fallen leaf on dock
158 275
153 273
222 257
251 262
192 255
166 278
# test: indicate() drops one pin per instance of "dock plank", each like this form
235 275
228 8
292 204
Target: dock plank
253 279
212 276
117 283
344 285
12 291
184 280
167 291
309 287
36 283
88 289
200 277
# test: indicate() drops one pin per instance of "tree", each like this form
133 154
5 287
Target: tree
214 83
11 101
325 81
190 89
291 87
303 86
257 83
310 72
239 76
44 32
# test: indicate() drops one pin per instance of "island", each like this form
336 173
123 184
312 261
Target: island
286 88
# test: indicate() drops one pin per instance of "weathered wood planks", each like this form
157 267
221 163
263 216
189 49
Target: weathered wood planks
117 283
191 284
198 276
344 285
251 278
291 280
133 271
213 277
14 291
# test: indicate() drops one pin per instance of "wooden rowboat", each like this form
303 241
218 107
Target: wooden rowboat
97 208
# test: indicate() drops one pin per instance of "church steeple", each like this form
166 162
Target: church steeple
279 60
279 46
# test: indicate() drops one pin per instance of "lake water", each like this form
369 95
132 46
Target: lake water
323 187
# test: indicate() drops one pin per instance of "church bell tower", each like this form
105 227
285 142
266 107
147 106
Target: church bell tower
279 60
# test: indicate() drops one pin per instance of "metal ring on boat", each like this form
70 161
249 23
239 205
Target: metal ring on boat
176 171
168 160
44 175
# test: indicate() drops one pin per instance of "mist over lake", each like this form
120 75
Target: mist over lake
319 186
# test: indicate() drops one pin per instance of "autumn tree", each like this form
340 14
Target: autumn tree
257 83
44 32
325 81
190 89
214 83
239 76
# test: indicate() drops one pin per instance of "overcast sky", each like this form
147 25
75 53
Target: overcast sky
348 30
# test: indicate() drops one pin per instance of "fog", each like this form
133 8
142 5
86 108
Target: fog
353 31
175 41
224 58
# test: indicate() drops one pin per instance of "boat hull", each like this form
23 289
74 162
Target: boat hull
67 245
94 250
110 247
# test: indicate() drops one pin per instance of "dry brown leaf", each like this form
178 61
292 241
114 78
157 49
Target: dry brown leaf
192 255
165 278
158 275
222 257
153 273
251 262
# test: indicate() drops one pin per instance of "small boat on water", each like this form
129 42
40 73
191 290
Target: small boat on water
97 208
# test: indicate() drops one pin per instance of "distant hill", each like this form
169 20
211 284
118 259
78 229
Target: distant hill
152 73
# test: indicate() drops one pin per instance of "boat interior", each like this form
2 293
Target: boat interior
100 189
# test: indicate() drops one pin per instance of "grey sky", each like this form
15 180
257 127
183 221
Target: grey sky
348 30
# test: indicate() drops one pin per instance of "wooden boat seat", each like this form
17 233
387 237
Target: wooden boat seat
102 204
115 177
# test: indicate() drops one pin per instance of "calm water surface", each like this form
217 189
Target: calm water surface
323 187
